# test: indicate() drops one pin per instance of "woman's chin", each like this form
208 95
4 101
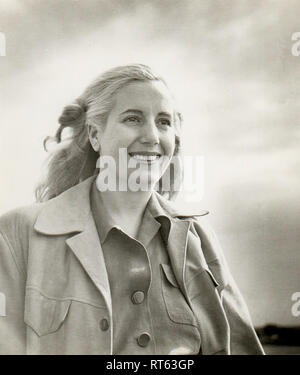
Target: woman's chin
142 182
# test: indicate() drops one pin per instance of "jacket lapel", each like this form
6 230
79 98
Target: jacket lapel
194 277
178 235
70 213
87 248
203 291
177 249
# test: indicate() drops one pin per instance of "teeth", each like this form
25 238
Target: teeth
146 157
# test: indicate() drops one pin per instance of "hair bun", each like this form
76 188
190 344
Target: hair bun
73 114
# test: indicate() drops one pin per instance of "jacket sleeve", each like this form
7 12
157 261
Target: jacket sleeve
243 339
12 287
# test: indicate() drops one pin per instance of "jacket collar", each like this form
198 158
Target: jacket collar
69 212
66 213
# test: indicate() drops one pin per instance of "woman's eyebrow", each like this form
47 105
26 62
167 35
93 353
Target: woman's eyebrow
132 111
165 114
139 112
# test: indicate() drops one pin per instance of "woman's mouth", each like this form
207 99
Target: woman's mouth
145 157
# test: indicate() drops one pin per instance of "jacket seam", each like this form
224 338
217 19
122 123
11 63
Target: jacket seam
204 269
197 274
213 260
20 270
65 298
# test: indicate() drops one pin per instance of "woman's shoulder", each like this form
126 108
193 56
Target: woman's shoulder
20 218
211 247
16 227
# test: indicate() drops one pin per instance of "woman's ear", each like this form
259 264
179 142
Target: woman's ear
93 133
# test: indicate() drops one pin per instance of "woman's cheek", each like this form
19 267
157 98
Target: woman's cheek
168 143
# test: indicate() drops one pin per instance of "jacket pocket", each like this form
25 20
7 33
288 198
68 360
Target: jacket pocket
203 280
219 273
43 314
214 274
177 307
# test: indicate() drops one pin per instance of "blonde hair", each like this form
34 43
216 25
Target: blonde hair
76 160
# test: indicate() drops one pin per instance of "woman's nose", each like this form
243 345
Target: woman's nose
150 133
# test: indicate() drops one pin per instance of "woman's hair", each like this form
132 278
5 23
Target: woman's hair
75 159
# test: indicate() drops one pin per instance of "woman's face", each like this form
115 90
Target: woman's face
141 122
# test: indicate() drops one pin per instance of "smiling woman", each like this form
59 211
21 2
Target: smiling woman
142 122
93 270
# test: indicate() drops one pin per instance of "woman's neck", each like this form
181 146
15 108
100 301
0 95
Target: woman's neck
126 208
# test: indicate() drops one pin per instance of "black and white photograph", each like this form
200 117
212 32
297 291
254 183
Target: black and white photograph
150 199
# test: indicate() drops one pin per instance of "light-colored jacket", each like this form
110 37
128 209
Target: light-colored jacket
54 288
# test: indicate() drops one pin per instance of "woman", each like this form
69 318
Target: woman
105 264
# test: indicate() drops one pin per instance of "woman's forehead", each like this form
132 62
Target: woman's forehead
143 96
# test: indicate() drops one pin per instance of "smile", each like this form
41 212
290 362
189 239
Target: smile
145 157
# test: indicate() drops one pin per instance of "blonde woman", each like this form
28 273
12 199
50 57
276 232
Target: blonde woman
119 270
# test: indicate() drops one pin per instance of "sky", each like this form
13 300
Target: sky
231 69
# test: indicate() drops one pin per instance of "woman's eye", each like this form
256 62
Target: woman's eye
132 119
164 122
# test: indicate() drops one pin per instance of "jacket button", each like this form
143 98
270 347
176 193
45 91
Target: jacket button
104 324
144 339
138 297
